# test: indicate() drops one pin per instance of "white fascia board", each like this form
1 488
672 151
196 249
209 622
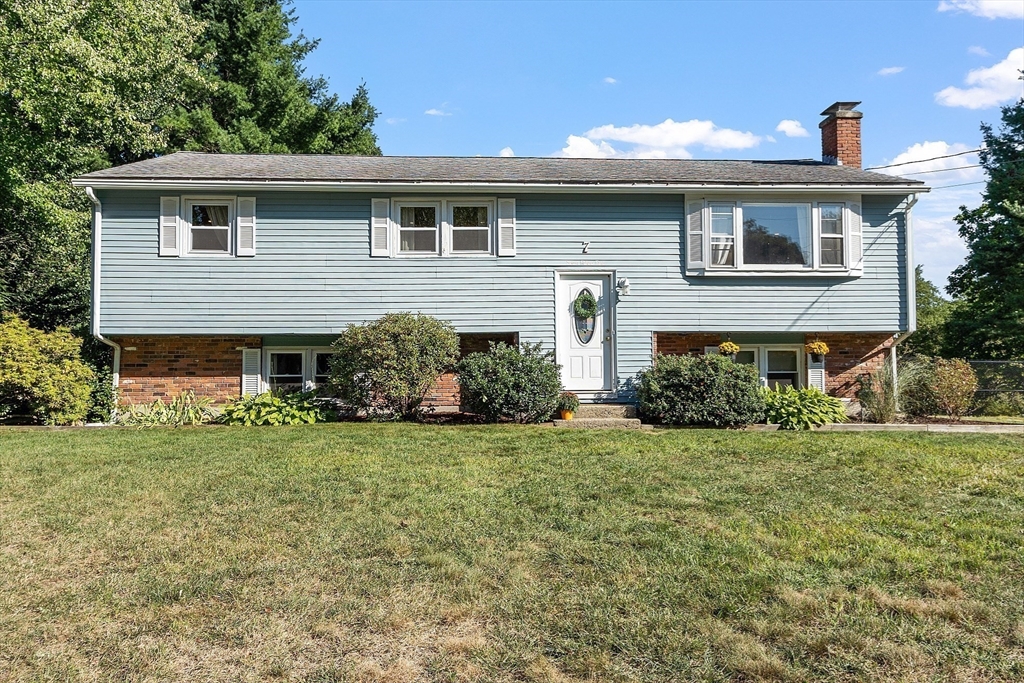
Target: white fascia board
444 188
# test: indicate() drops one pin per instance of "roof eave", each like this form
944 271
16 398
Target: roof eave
406 186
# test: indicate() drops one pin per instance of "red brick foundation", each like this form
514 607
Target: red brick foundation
155 368
850 354
849 357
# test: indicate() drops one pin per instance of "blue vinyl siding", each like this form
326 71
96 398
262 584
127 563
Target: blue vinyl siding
312 275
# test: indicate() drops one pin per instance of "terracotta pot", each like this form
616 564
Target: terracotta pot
567 414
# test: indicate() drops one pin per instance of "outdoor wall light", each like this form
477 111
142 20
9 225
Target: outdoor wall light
622 286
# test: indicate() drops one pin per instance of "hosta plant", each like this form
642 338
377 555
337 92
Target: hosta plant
273 408
802 408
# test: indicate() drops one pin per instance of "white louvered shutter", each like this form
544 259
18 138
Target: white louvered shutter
856 240
246 226
695 236
506 227
251 379
816 373
169 236
380 227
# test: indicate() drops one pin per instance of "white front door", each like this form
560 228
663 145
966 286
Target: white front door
585 343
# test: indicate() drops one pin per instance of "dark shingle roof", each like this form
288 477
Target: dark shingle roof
498 170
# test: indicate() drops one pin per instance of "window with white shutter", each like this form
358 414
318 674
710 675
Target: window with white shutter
856 241
816 372
695 235
169 234
251 375
380 227
246 232
506 227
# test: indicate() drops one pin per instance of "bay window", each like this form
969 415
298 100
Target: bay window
773 237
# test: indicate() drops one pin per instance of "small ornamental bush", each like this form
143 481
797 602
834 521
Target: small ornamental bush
42 373
710 391
802 408
386 367
294 408
954 384
877 394
513 383
916 376
184 409
568 401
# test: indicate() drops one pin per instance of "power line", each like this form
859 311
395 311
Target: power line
918 161
976 182
943 170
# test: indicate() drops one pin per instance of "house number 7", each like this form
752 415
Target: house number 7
586 247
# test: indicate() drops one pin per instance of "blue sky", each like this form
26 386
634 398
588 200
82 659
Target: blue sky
691 79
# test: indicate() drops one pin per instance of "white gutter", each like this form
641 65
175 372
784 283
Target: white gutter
97 234
911 302
334 186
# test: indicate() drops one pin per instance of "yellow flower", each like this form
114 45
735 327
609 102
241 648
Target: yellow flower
727 348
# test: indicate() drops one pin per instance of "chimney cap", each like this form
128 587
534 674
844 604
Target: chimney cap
843 109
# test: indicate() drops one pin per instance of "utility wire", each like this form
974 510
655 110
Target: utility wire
942 187
918 161
943 170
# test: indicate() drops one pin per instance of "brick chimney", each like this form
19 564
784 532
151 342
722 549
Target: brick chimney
840 134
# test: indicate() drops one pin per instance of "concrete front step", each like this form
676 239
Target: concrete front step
606 410
600 423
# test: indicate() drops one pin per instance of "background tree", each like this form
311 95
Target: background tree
988 319
933 311
259 100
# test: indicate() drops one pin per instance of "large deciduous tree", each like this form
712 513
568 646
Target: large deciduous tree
988 319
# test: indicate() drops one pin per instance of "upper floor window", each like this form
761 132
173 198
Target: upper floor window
782 236
442 227
209 227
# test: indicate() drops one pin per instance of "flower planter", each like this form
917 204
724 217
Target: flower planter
817 357
567 415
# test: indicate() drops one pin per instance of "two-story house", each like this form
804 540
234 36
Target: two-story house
232 274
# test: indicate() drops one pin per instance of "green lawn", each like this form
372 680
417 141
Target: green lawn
423 553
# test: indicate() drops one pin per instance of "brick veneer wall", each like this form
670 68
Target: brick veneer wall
849 357
163 367
683 343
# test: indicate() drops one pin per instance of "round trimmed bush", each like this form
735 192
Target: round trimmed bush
706 391
386 367
510 383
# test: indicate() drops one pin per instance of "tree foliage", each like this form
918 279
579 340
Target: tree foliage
87 84
933 311
988 319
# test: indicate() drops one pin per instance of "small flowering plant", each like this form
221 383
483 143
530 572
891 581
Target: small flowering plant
728 348
817 348
568 401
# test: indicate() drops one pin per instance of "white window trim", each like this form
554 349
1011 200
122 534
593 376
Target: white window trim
741 269
444 208
185 226
308 363
762 360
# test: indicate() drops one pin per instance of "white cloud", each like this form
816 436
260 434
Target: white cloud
989 86
791 128
978 50
437 111
668 139
890 70
921 156
506 152
609 80
989 9
392 121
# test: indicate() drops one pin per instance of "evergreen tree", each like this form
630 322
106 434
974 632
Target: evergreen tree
259 101
988 319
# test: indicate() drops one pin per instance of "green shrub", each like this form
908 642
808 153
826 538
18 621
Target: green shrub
916 375
568 401
184 409
709 390
877 394
999 404
386 367
294 408
102 396
802 408
517 383
954 384
42 373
